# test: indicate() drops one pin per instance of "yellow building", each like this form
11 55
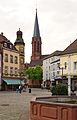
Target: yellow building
68 65
12 61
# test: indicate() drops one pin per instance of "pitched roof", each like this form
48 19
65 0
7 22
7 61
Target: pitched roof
3 39
56 53
72 48
36 32
36 62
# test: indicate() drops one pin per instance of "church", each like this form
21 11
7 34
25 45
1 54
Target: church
37 57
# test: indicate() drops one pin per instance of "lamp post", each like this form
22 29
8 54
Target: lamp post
69 78
62 68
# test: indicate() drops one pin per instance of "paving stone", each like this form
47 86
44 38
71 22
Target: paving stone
15 106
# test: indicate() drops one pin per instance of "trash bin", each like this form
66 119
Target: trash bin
29 90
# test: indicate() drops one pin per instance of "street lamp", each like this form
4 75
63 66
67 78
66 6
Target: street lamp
62 68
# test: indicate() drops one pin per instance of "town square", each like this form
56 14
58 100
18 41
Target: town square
38 60
16 106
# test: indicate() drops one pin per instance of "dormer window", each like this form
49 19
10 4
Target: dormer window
10 46
5 44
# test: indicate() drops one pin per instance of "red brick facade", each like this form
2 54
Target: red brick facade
36 48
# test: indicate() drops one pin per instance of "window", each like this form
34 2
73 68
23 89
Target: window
38 46
5 44
58 72
35 45
58 65
49 68
16 71
65 64
6 57
11 71
53 74
75 65
6 70
10 46
11 58
22 61
22 50
16 60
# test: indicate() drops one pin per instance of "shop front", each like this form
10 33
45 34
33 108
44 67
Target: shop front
11 84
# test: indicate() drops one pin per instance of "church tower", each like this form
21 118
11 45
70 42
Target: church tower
20 46
36 41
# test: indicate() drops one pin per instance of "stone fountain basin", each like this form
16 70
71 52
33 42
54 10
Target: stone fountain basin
53 108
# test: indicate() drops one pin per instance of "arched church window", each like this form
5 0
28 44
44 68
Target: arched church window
37 46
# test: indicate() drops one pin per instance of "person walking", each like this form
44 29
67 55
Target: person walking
19 88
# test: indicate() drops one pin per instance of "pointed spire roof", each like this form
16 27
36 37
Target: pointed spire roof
36 27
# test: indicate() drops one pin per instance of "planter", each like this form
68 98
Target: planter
53 108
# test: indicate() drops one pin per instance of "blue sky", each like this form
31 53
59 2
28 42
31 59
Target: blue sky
57 22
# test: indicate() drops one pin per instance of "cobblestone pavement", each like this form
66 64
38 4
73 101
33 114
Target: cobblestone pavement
15 106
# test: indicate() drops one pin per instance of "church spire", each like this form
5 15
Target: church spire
36 27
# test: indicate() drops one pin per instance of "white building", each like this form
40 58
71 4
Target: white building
51 66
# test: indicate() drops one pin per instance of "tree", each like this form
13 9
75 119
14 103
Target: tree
34 73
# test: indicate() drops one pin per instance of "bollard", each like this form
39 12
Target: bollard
29 90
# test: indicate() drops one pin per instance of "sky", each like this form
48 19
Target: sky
57 22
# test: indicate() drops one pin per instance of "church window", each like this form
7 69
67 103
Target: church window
37 46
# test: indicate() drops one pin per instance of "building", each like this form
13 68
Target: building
68 61
20 46
37 57
12 61
51 68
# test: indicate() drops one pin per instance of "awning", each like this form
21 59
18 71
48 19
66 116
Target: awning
14 82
